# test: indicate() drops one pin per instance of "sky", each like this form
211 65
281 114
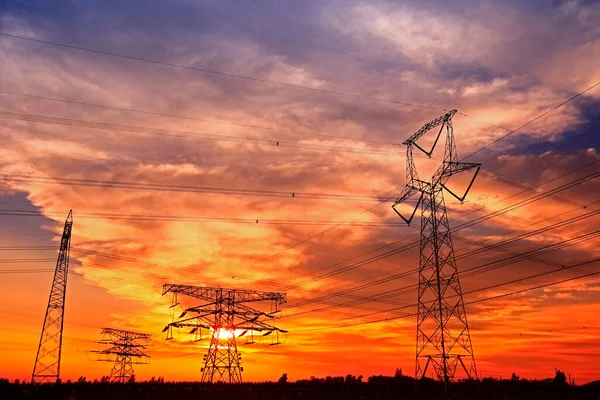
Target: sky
268 160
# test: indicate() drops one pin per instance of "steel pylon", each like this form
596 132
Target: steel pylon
47 360
126 348
225 317
443 338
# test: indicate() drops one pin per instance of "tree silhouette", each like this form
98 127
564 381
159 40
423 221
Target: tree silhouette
283 379
398 373
560 378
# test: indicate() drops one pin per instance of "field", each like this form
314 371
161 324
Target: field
390 389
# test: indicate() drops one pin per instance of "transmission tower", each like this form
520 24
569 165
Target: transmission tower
443 339
225 317
47 360
126 348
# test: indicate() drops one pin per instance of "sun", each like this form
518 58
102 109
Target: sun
228 334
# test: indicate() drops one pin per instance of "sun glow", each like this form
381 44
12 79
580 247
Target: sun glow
225 333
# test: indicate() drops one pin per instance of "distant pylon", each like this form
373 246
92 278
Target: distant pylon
47 360
126 350
224 314
443 339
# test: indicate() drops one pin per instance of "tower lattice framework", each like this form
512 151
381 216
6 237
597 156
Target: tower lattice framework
126 348
47 360
443 338
226 317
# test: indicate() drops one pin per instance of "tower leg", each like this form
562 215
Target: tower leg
443 337
222 362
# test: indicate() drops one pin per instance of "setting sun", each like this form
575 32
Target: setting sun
364 190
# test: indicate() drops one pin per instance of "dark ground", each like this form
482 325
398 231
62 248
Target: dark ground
391 389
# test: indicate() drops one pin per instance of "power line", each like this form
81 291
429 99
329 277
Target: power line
320 233
249 78
533 120
25 260
471 302
459 227
30 248
185 188
576 219
295 131
182 269
87 274
496 175
382 257
550 180
497 140
513 239
410 288
482 268
198 219
184 134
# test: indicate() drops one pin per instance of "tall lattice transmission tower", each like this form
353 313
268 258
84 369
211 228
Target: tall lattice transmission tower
443 339
126 348
224 317
47 360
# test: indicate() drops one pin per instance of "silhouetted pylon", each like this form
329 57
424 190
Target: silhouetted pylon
126 348
47 360
226 317
443 339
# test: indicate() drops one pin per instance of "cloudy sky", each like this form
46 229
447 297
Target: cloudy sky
220 111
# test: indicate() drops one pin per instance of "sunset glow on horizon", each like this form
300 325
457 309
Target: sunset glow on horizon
259 147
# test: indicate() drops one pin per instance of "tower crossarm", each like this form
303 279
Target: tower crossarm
197 320
198 292
449 168
117 357
120 350
240 313
427 127
245 312
258 326
190 323
206 309
238 296
247 296
118 333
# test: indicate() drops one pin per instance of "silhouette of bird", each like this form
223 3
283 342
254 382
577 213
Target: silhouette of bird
293 194
257 221
278 143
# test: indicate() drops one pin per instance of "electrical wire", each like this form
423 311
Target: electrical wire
187 117
533 120
467 303
230 75
170 133
179 218
482 268
457 228
114 184
321 299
